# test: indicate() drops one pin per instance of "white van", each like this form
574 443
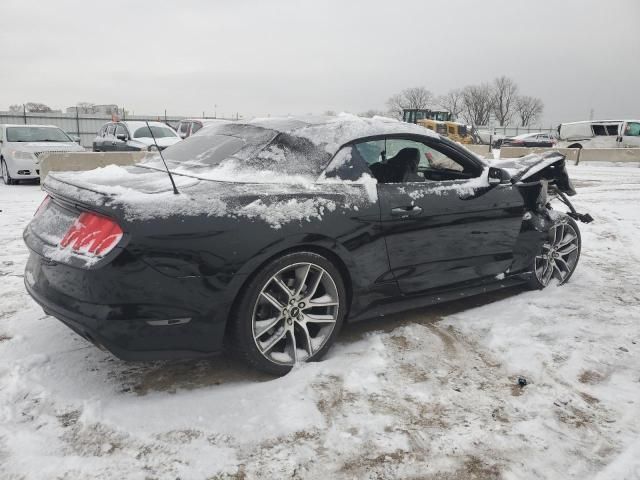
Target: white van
600 134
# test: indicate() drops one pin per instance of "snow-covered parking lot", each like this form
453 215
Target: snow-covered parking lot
427 394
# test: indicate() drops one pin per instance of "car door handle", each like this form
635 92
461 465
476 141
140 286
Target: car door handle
405 212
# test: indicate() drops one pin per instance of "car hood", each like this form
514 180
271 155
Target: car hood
46 146
550 166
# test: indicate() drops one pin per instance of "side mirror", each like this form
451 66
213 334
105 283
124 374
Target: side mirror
75 138
497 176
122 136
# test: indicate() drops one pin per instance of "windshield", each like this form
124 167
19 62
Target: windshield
36 134
158 132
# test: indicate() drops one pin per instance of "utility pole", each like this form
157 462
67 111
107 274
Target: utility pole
24 113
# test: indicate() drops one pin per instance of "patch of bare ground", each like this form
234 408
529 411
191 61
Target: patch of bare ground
590 377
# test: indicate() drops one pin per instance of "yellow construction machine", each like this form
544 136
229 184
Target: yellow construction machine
440 122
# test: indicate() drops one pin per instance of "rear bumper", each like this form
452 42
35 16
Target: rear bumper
164 318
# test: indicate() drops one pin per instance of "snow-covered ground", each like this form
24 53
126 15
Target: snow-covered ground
426 394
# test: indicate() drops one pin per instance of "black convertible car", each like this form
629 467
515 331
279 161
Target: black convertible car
283 229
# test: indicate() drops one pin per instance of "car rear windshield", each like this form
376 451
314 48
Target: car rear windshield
248 148
36 134
158 132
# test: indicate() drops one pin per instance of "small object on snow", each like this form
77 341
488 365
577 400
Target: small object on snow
522 382
623 349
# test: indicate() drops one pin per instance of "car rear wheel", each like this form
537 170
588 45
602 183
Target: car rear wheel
559 254
6 177
290 312
575 145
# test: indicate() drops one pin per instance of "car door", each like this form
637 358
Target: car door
448 227
109 139
121 138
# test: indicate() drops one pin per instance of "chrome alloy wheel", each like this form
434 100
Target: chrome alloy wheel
559 255
295 313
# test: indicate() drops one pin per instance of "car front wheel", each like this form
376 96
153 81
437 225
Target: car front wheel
6 177
290 312
559 254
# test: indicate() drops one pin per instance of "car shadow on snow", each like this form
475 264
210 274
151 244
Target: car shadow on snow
142 378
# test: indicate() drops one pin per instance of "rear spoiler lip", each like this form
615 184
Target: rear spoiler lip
96 206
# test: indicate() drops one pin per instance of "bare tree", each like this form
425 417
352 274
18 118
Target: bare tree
15 108
415 97
478 103
505 95
453 102
37 107
529 109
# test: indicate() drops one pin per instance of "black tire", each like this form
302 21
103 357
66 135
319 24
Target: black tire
537 280
575 145
240 338
6 176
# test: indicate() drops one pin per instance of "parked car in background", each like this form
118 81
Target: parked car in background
530 140
130 136
189 126
600 134
22 145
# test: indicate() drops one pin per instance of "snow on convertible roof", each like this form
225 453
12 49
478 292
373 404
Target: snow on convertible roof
334 131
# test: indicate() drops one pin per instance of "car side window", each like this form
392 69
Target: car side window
195 126
110 130
184 128
399 160
120 130
430 158
632 129
353 161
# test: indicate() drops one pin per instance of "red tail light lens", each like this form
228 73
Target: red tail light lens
92 234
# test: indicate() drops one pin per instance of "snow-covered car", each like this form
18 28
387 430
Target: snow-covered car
600 134
276 231
130 136
21 147
535 139
189 126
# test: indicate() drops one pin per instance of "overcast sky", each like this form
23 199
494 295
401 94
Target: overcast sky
258 57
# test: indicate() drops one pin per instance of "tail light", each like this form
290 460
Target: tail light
92 234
